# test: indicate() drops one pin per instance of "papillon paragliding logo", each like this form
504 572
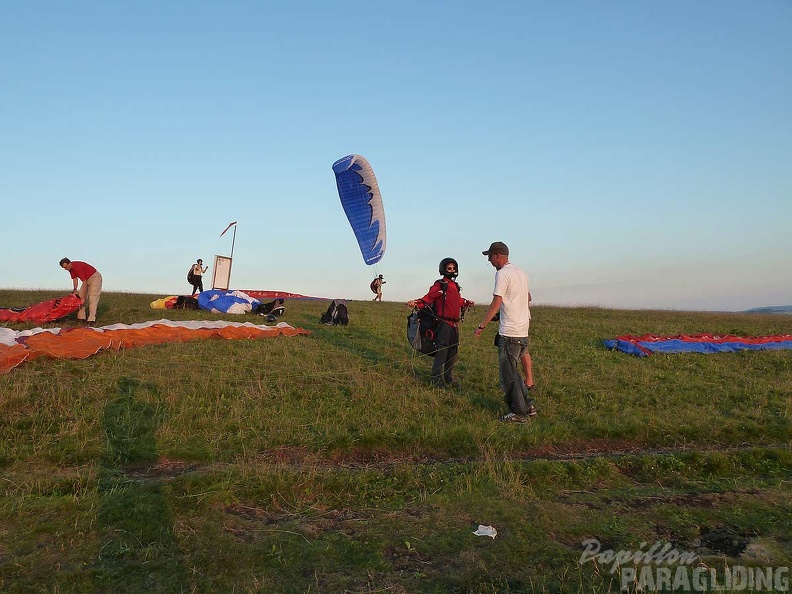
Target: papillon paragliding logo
360 196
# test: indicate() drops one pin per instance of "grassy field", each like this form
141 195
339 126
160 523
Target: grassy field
327 463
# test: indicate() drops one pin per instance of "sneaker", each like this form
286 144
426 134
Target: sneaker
513 418
91 324
530 408
530 386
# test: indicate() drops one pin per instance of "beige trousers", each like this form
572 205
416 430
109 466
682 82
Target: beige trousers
89 293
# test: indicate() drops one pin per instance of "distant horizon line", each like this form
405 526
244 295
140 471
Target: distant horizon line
767 309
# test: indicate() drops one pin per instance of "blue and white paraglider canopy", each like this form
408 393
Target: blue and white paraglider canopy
362 202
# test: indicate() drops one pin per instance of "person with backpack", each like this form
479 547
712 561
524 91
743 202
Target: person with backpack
449 307
376 286
511 299
196 274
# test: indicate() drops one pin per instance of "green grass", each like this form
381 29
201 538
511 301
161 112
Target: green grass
326 463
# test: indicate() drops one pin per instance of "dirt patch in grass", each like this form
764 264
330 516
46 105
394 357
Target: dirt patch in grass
163 468
708 500
571 450
339 521
381 458
584 448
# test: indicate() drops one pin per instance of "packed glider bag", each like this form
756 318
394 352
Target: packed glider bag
336 314
186 302
272 310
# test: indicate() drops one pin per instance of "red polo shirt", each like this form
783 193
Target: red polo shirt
82 270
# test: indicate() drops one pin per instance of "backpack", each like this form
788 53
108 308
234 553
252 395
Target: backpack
190 276
373 286
342 315
336 314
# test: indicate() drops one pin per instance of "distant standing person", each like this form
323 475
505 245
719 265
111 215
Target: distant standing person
198 270
511 297
376 286
91 288
449 305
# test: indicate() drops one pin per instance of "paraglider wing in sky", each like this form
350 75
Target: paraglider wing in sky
362 202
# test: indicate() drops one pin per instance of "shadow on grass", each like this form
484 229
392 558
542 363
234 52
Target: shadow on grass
139 551
360 342
357 341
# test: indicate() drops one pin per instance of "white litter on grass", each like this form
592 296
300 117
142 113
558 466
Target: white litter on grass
486 531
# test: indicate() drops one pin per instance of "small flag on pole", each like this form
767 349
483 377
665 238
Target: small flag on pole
227 228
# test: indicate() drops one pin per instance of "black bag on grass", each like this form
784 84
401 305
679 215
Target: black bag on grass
272 308
184 302
336 314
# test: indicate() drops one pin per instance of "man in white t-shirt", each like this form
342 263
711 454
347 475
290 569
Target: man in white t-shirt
511 297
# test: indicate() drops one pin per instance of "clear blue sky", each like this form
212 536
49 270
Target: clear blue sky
631 154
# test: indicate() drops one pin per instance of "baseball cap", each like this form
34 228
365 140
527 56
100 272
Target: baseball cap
497 247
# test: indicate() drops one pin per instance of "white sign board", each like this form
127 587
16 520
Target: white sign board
221 277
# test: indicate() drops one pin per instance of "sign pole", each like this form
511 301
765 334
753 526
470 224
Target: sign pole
226 262
233 239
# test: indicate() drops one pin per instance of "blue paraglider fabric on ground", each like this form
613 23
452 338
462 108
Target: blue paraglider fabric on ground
643 346
232 302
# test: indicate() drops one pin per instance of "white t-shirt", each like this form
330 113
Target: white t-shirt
512 285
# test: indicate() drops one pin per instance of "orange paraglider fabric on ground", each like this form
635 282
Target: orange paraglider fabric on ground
80 343
11 356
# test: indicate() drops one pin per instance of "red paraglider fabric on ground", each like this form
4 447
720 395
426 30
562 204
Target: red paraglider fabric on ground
47 311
